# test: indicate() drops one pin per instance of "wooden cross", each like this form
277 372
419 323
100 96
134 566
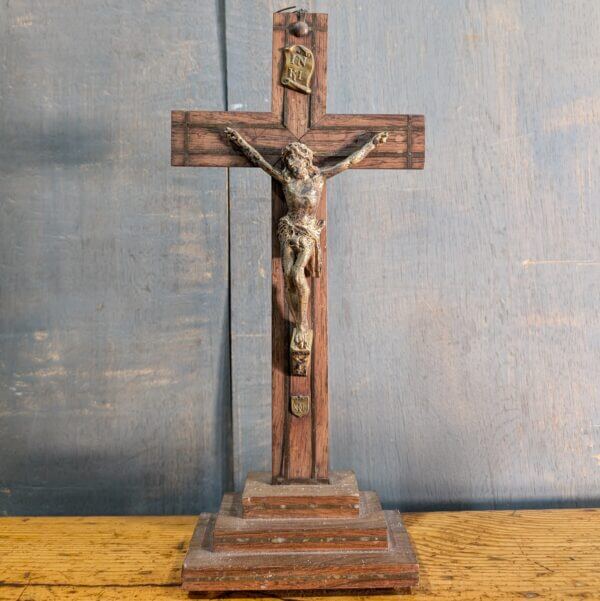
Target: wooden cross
300 445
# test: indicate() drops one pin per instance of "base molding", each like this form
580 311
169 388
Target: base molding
367 531
232 552
337 498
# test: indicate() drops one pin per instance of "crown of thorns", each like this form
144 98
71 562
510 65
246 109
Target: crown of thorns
298 149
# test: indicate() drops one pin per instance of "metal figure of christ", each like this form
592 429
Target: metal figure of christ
299 231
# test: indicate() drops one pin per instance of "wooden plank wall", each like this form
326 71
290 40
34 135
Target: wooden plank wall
249 51
114 346
464 354
464 322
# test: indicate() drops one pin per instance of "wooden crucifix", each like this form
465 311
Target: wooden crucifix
299 371
317 528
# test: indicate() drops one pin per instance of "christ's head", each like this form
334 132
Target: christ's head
298 159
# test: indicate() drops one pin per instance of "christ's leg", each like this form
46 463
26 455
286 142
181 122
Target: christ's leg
288 258
302 289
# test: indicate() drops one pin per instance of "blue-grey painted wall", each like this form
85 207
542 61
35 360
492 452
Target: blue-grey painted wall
464 299
114 342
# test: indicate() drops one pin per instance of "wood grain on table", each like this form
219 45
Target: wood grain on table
467 556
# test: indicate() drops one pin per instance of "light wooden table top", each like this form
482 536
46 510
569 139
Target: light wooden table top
466 556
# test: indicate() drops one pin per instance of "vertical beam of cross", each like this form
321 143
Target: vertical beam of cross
300 445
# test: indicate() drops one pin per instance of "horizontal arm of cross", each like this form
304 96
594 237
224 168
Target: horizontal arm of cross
198 139
334 137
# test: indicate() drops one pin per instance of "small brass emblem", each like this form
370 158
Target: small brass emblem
298 68
300 405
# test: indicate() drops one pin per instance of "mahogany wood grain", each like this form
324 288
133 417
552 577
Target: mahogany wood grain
211 140
298 453
197 140
339 498
302 453
212 160
337 136
277 61
340 142
318 99
296 105
233 532
371 121
206 570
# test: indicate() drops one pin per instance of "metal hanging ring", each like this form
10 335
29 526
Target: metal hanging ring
300 28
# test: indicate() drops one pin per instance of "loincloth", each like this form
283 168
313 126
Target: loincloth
302 233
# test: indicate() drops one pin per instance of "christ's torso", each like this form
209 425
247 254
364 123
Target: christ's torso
303 196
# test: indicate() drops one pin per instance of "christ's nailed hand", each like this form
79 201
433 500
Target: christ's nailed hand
232 135
380 138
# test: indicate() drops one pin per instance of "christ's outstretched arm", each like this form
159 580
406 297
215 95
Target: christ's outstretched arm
356 157
252 154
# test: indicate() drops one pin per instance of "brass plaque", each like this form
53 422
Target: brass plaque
298 68
300 405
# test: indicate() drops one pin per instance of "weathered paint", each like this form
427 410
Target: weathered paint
464 330
464 353
114 347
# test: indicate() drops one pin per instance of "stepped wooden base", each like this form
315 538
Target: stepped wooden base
361 547
206 570
234 533
337 498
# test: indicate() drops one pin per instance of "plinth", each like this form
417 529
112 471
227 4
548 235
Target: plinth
300 537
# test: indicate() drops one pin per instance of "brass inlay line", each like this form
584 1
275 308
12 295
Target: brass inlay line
221 128
316 154
289 576
286 539
292 506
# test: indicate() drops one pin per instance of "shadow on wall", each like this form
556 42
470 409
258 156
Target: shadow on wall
63 142
104 484
514 504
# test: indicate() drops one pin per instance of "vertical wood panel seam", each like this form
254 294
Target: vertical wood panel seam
230 462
